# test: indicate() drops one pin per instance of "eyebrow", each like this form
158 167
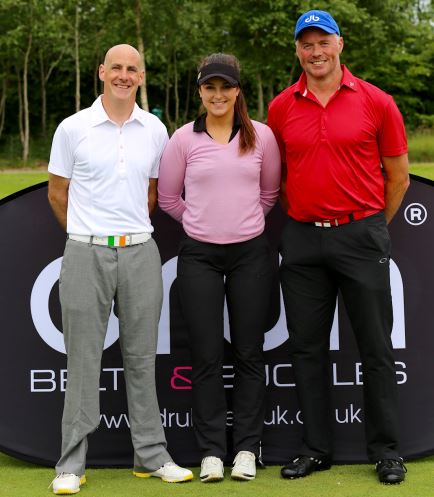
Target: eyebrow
118 64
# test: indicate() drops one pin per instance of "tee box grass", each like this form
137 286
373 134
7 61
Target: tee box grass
22 479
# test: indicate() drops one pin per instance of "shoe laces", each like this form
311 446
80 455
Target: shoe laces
392 463
60 475
244 459
168 466
303 459
212 461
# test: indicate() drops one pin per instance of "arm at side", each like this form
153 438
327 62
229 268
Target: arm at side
152 194
58 197
396 183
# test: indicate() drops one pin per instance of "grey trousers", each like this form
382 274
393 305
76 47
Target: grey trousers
91 278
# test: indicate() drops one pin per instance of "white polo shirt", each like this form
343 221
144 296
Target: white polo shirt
109 167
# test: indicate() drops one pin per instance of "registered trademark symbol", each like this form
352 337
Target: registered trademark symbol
415 214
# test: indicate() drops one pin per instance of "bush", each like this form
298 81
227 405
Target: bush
11 150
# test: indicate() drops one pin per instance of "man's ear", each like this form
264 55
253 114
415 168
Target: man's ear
101 72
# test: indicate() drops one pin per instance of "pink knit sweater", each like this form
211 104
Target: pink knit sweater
226 194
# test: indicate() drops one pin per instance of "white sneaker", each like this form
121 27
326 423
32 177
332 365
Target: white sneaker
244 467
211 469
67 483
170 473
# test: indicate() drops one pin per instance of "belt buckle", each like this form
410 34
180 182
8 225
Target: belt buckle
98 240
324 224
116 241
120 241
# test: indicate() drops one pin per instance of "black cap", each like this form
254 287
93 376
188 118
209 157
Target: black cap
216 70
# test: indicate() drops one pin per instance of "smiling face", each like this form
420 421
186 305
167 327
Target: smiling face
218 97
318 53
121 73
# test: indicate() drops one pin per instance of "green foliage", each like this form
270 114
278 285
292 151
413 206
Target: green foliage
389 43
10 150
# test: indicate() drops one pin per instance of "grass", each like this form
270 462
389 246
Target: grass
13 181
21 479
423 169
421 146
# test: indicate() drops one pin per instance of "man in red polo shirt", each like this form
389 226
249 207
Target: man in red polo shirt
345 172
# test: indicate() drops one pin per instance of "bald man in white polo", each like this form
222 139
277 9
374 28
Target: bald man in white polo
103 174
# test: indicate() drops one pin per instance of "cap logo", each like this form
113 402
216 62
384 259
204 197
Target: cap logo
311 18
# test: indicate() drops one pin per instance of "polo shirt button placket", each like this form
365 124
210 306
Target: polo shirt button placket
122 165
323 130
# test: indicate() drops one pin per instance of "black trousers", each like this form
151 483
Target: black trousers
316 262
241 272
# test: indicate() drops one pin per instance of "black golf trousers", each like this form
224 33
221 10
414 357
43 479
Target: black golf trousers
207 274
316 263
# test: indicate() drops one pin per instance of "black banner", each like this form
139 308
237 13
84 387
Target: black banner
33 360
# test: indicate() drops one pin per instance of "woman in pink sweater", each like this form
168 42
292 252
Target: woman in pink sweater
229 167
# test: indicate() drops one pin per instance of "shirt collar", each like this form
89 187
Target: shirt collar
348 80
99 115
300 85
199 124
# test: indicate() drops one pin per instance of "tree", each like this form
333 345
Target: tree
52 43
54 48
18 38
141 49
257 30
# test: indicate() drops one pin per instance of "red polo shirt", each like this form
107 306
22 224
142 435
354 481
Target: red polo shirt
333 153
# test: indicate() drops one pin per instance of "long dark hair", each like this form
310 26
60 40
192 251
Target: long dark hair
247 131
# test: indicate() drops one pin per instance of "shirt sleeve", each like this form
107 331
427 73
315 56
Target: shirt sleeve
61 156
270 171
392 139
172 176
163 138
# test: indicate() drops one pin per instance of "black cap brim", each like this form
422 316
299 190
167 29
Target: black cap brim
231 81
227 72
